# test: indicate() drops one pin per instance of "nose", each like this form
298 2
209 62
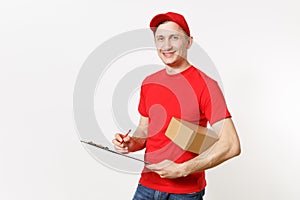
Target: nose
166 46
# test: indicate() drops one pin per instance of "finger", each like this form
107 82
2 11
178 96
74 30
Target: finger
119 137
116 142
161 174
126 139
121 150
119 146
153 167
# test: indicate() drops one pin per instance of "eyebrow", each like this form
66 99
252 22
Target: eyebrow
171 35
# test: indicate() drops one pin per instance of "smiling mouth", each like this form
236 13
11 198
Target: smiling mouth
168 54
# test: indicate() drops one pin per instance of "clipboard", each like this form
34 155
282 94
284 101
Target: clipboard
112 151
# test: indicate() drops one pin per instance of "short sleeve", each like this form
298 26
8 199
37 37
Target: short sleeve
212 102
142 103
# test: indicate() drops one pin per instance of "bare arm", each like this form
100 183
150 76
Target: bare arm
226 147
136 142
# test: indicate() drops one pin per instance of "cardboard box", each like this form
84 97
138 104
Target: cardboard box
189 136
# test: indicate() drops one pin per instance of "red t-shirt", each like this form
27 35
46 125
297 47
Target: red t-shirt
191 96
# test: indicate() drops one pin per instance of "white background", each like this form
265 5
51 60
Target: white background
255 46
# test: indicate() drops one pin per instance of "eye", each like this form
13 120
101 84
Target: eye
175 37
159 39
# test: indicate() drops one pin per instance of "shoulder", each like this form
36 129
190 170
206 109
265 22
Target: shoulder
154 77
202 77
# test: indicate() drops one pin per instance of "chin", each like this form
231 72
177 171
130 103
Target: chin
169 61
170 64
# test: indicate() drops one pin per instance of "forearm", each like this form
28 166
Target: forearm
216 156
226 147
126 143
136 144
138 140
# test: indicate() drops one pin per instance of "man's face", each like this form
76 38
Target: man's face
172 44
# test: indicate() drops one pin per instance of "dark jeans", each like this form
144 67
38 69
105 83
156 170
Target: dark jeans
144 193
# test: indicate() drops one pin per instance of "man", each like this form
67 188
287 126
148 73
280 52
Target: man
182 91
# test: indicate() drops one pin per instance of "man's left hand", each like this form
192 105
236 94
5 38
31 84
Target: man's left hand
168 169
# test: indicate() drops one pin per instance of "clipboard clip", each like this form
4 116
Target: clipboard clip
112 151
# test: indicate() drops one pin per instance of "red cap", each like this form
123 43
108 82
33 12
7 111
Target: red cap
169 16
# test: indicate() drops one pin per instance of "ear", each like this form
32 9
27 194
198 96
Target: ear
190 42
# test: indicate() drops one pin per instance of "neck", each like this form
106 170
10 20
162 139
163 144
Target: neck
177 69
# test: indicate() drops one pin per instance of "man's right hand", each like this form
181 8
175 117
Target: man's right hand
122 144
135 142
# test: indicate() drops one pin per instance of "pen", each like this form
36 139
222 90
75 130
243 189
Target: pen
125 136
